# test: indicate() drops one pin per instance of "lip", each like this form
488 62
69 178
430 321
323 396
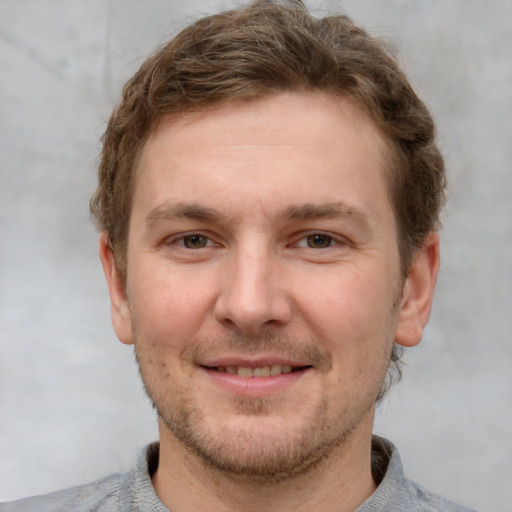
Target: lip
251 362
253 386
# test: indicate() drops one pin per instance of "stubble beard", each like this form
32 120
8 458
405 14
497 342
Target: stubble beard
271 456
246 456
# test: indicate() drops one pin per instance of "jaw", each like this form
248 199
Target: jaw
262 448
258 428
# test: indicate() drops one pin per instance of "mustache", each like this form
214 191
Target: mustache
270 343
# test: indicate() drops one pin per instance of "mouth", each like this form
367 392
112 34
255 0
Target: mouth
259 377
261 371
278 370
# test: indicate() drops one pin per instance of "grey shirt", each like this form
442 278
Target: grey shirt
133 492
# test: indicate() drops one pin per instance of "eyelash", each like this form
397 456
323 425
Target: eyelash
330 240
182 240
306 238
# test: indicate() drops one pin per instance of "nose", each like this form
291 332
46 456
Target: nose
253 297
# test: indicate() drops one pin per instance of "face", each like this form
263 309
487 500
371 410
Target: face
263 290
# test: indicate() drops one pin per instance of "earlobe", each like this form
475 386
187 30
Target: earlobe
120 312
418 292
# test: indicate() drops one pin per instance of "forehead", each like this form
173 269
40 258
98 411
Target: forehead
298 148
273 119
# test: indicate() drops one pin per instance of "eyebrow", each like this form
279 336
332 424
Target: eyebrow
307 211
323 211
182 211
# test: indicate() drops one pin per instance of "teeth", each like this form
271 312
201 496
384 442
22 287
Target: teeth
243 371
261 372
276 369
264 371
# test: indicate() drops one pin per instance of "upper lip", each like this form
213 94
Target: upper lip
251 362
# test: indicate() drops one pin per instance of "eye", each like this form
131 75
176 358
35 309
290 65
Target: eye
195 241
317 241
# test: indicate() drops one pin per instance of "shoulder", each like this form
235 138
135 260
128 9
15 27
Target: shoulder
130 491
396 493
423 500
100 496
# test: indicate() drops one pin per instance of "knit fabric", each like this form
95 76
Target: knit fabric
132 491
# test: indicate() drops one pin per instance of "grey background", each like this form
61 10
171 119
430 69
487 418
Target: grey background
71 405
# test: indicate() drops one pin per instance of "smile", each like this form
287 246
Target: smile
263 371
258 380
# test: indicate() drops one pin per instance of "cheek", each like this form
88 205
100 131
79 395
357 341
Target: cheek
352 315
167 302
344 296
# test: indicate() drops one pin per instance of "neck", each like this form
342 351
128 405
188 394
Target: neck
341 482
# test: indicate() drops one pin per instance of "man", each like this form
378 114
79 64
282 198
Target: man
268 199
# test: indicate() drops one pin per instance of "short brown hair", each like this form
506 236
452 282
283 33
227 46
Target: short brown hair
256 51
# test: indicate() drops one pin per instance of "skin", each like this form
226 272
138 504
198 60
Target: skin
262 233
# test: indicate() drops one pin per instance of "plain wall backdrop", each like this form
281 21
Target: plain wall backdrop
72 407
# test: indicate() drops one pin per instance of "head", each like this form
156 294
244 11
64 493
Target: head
266 48
256 68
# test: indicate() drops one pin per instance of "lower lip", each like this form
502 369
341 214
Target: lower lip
255 386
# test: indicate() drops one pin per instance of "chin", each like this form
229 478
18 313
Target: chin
257 445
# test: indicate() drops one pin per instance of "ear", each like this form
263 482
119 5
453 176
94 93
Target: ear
418 293
121 319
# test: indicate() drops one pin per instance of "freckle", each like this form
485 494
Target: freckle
164 364
167 375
